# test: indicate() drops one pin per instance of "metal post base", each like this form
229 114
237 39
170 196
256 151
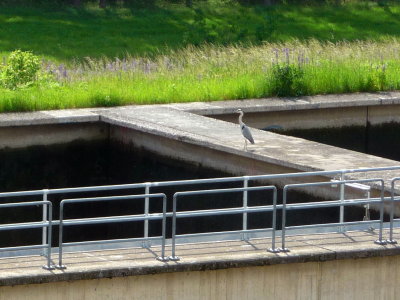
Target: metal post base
379 242
161 258
46 267
283 250
174 258
392 242
273 250
61 267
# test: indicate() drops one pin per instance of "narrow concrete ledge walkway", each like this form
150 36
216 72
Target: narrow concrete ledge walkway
195 257
280 150
186 125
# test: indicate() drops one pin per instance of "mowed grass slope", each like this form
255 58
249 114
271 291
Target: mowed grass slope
142 56
67 33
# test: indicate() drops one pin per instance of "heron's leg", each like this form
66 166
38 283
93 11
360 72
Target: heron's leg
245 144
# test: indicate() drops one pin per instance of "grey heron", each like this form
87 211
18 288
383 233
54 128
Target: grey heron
244 129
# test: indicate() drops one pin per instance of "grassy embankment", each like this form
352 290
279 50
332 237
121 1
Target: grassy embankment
155 65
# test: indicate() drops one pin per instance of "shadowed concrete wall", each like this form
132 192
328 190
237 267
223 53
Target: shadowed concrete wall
369 278
319 118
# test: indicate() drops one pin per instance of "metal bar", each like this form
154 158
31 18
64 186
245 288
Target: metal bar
342 191
49 234
173 256
273 248
163 233
43 225
44 218
330 204
98 220
289 186
380 241
331 225
222 211
32 225
111 241
391 240
245 194
114 219
146 212
194 181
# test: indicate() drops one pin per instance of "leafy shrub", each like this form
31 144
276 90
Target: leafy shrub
288 80
21 70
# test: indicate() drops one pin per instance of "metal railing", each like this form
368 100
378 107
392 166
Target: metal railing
219 212
244 210
325 204
45 224
114 219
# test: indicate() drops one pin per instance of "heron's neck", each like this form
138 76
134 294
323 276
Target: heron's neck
241 118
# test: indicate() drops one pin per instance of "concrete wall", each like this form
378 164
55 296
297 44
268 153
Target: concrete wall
319 118
369 278
34 135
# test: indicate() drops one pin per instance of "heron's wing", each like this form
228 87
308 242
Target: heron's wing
247 134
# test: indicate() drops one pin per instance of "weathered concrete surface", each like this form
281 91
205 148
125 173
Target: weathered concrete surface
367 279
174 131
218 144
330 262
307 112
323 264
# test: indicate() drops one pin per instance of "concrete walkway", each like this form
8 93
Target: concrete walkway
204 256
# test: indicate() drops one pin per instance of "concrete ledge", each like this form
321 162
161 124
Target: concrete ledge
299 103
203 257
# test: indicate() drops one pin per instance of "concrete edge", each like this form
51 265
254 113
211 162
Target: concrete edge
199 141
282 104
209 108
48 118
210 265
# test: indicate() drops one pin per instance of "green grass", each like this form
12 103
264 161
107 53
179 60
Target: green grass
68 33
215 73
349 48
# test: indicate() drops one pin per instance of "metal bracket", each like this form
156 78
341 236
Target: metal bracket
380 242
283 250
60 267
174 258
273 250
392 242
46 267
163 259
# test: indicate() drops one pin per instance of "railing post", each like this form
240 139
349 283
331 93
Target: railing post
173 256
44 219
146 243
245 206
342 196
164 220
60 238
391 240
273 248
49 228
380 240
283 231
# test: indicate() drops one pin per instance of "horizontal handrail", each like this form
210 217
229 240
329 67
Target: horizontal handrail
284 207
221 212
114 219
192 181
47 224
338 204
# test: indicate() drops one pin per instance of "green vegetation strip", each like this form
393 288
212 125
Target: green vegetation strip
250 53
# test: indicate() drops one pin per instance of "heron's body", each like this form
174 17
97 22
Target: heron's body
245 130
